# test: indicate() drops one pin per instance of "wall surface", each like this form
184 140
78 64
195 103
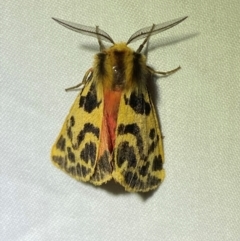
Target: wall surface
199 109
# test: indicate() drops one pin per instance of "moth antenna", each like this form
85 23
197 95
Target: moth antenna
99 40
145 40
152 30
86 30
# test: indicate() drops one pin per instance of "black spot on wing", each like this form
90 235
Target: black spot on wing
70 124
90 101
58 160
153 145
72 121
152 181
69 133
133 181
82 171
78 169
131 178
104 163
144 169
126 153
152 133
72 171
88 128
157 163
71 156
135 131
88 153
61 143
138 103
102 168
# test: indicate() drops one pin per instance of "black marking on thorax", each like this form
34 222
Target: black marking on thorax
118 69
101 64
137 72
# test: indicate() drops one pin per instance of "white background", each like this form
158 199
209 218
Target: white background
199 108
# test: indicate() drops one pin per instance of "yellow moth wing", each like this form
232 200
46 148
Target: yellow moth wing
138 154
76 148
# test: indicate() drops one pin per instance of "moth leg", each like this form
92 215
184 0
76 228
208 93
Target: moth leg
163 73
86 78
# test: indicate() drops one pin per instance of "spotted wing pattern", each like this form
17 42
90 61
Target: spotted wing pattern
138 155
76 148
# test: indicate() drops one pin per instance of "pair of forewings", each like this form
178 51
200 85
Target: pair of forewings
137 156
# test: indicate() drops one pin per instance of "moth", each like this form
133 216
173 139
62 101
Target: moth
112 130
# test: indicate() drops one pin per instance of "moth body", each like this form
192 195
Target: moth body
112 130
